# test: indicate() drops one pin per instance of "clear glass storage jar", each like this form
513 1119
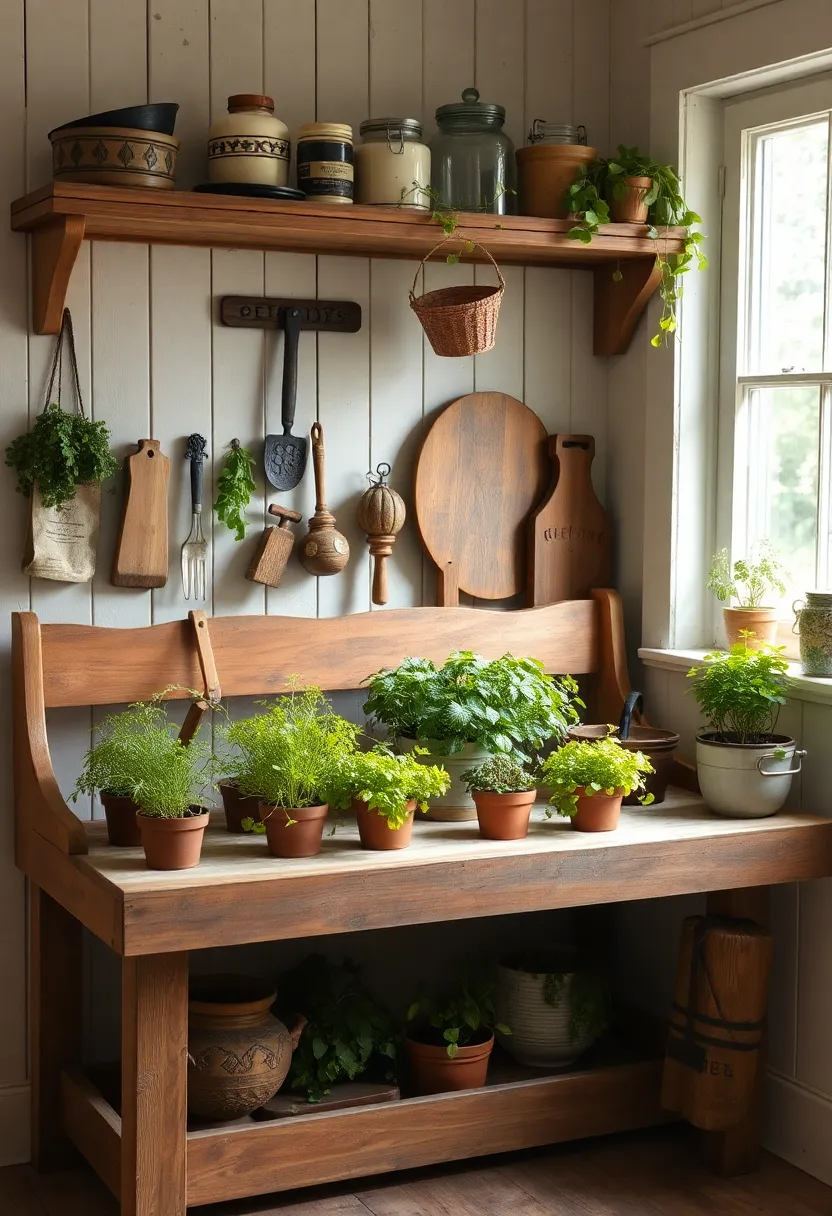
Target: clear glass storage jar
389 159
472 158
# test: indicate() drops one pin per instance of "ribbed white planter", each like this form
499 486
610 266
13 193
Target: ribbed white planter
540 1033
457 805
744 780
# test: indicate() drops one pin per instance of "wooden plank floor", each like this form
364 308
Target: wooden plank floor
640 1174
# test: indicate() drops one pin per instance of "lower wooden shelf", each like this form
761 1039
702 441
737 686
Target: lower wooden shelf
520 1108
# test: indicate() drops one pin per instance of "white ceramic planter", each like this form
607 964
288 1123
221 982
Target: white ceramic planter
540 1033
457 805
746 780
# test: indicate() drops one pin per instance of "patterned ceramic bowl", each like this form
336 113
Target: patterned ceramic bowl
114 156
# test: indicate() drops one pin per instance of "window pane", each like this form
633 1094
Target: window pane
781 454
787 247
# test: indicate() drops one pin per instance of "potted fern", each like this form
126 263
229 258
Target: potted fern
387 790
450 1035
503 793
588 781
749 581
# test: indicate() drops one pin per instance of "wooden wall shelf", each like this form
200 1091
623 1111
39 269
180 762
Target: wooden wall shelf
61 215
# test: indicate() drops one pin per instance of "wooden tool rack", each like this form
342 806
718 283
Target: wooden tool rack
145 1152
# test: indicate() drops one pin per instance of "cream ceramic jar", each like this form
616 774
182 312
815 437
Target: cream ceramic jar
249 145
390 158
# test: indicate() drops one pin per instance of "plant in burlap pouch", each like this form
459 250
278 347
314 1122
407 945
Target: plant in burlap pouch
60 464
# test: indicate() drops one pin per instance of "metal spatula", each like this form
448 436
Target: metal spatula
285 455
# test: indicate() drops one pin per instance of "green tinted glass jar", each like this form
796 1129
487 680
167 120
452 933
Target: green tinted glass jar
472 158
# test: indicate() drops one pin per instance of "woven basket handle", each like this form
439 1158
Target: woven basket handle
476 244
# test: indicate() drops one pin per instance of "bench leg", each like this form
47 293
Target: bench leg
154 1078
55 1022
737 1150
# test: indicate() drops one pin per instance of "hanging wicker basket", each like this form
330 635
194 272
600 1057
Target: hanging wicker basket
459 320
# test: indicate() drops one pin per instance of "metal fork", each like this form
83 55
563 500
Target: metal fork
195 548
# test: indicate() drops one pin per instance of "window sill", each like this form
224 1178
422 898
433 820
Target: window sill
804 688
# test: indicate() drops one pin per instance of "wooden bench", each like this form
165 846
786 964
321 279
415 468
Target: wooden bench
145 1154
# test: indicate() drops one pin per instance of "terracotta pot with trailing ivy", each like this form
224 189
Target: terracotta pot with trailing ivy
633 188
556 1006
588 781
290 758
504 794
749 581
450 1036
387 790
745 769
469 709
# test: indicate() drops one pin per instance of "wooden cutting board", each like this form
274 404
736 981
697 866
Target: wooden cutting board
570 541
482 469
141 557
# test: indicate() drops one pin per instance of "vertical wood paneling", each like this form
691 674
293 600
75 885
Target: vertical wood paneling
178 71
289 64
396 60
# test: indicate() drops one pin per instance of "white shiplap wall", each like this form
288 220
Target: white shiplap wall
153 362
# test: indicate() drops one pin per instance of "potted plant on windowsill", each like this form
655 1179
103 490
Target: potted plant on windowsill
588 782
468 709
290 758
749 581
745 770
503 793
450 1045
387 790
556 1006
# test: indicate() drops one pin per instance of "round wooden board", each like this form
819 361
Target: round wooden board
482 469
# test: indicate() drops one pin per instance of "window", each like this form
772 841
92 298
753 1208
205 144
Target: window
775 437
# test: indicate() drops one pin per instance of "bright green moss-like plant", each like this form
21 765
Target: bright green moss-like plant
387 782
498 775
740 691
600 767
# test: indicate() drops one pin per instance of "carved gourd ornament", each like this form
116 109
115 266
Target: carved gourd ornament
381 514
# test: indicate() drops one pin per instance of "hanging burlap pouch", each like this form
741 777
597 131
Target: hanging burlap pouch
62 541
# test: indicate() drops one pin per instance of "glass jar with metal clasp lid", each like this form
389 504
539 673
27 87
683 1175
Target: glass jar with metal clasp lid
472 158
556 156
391 162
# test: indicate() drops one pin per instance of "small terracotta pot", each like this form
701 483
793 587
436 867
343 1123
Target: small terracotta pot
597 812
631 207
299 839
657 744
374 831
173 844
236 807
123 830
504 816
762 622
432 1071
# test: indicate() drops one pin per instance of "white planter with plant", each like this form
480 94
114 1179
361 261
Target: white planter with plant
588 781
750 581
555 1011
469 709
745 770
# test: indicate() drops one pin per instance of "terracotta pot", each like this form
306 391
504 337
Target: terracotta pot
123 829
762 622
658 745
374 831
631 207
236 807
301 838
173 844
597 812
545 173
432 1071
238 1053
504 816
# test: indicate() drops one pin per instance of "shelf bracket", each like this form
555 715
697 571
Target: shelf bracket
54 251
619 303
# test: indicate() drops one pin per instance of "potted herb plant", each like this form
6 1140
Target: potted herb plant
451 1043
291 757
633 188
745 770
386 791
469 709
556 1006
588 781
748 581
503 793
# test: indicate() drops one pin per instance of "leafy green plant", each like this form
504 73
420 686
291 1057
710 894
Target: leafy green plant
750 579
446 215
498 775
600 767
740 691
504 705
347 1033
387 783
235 487
62 450
604 179
459 1017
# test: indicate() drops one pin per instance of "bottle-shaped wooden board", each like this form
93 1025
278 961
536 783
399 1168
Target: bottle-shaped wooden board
141 557
569 539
